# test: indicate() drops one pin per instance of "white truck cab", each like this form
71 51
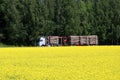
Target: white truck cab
42 41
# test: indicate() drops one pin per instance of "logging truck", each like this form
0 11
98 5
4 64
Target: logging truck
68 41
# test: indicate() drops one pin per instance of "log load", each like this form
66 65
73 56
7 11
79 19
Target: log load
53 40
93 40
74 40
84 40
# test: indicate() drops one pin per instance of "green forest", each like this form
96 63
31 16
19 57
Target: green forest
22 22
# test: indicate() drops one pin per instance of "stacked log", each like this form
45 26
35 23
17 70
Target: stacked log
93 40
74 40
84 40
53 40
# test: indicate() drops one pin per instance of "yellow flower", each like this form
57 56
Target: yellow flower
60 63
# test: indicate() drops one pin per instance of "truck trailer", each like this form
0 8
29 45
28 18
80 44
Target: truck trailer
68 41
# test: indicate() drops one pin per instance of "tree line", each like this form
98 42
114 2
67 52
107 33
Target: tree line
22 22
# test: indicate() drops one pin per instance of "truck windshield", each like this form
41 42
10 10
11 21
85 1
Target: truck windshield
41 40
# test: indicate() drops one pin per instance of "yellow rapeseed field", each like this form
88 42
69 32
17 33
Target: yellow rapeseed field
60 63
